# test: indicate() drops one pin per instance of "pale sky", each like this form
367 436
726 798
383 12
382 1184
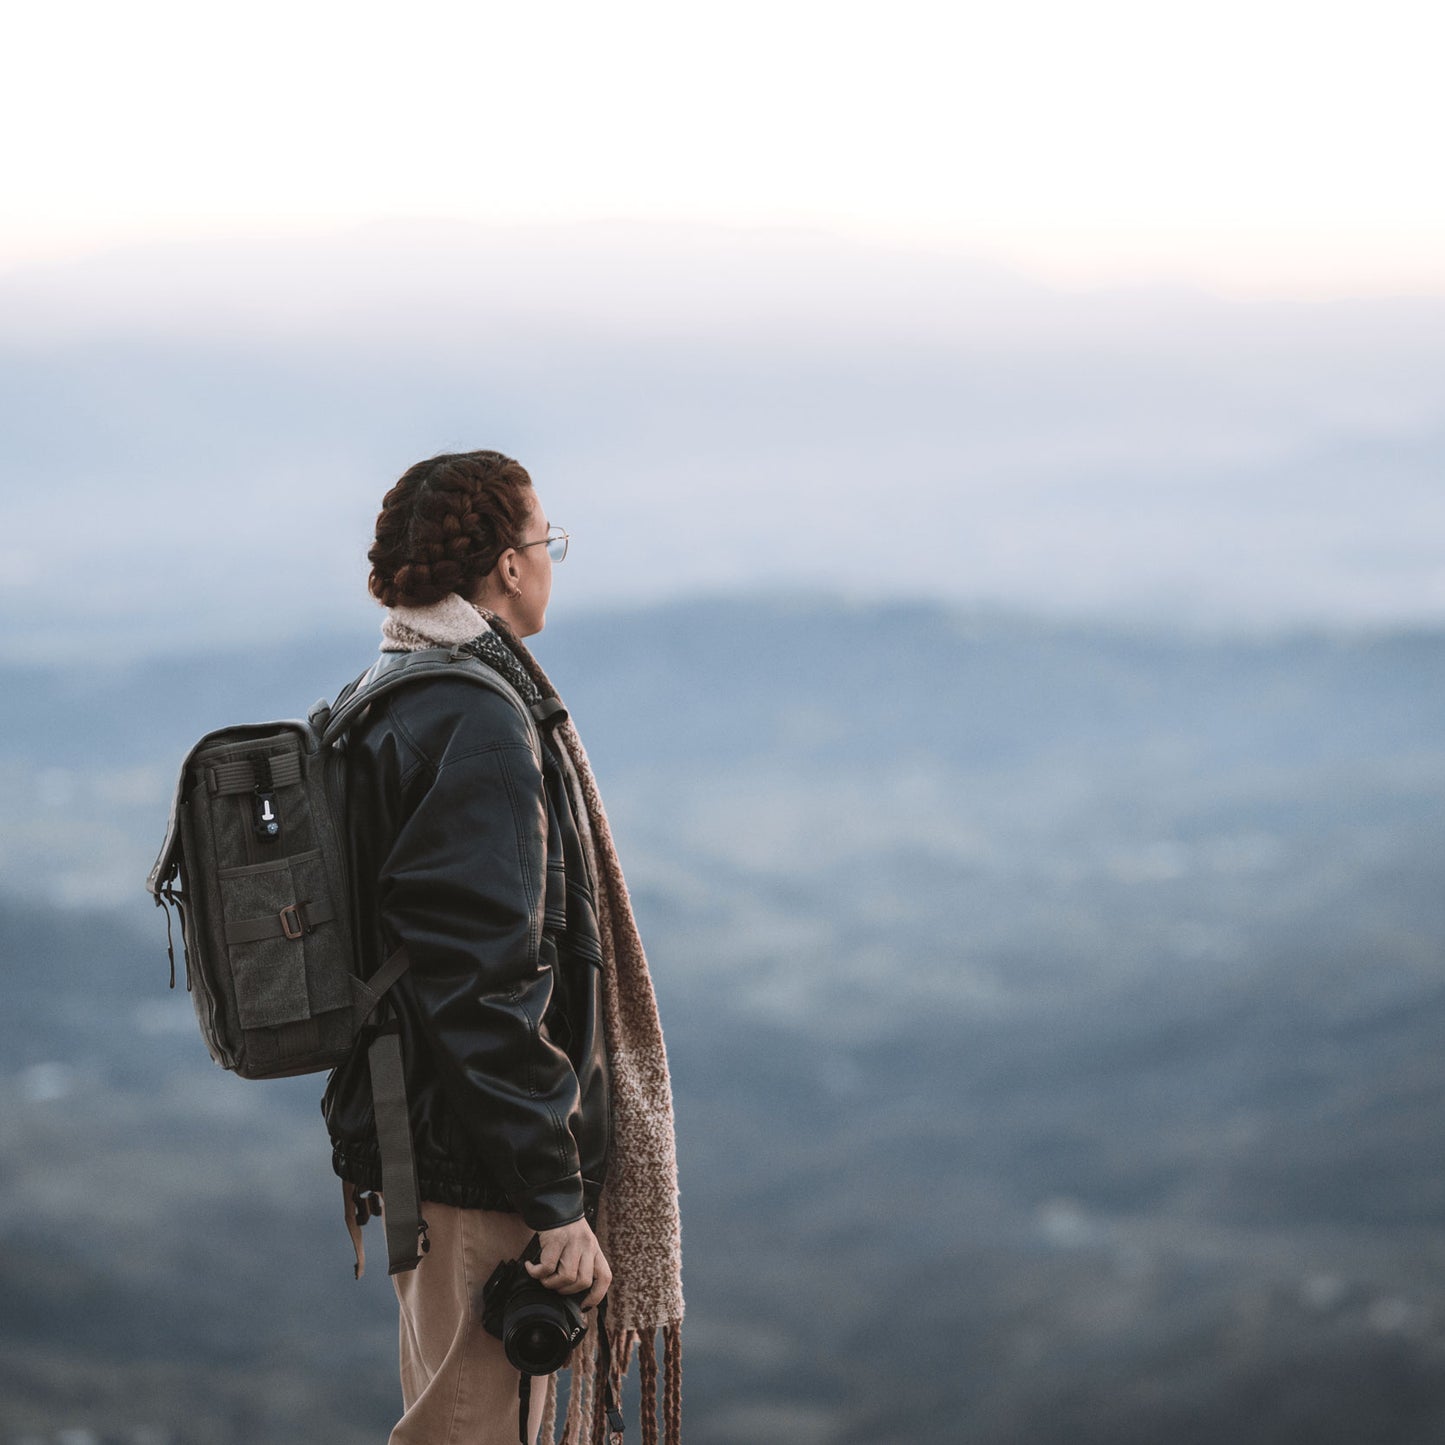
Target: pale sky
1253 145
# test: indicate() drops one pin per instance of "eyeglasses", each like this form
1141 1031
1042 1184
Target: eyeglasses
555 542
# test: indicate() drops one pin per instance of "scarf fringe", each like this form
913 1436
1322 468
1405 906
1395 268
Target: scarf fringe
579 1400
672 1385
660 1391
647 1379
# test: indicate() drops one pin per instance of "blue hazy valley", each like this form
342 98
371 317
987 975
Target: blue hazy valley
1053 1010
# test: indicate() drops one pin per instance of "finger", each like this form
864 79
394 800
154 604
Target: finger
547 1264
569 1286
582 1278
601 1283
552 1266
568 1275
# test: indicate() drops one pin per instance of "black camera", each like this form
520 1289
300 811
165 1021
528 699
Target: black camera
537 1326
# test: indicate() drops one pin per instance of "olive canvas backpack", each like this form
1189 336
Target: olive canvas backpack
255 865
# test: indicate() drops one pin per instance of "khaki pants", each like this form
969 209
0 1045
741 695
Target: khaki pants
456 1382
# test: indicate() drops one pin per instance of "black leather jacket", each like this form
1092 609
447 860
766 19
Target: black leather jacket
466 848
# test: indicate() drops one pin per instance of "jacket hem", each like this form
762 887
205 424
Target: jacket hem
445 1187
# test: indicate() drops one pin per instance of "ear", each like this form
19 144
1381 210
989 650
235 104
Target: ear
509 573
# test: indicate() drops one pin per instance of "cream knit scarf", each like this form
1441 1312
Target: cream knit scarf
639 1225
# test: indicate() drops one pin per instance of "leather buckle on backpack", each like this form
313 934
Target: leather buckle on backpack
293 926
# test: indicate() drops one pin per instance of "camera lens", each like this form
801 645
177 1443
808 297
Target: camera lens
536 1341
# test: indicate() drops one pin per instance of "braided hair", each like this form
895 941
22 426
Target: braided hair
444 525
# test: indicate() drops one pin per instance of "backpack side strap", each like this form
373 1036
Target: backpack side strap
406 1239
369 991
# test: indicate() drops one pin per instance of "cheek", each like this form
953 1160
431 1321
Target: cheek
540 594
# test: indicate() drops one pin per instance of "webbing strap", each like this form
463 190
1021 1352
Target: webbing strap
402 1209
603 1384
294 921
242 775
373 988
359 1206
549 712
524 1408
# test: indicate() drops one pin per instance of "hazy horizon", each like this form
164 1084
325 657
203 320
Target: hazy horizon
708 411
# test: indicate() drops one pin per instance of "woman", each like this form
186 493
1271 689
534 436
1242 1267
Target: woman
536 1077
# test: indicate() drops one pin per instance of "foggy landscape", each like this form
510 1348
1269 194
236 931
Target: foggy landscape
1001 450
1020 711
1053 1012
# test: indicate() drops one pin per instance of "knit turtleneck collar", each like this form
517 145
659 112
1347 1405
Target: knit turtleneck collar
447 623
454 622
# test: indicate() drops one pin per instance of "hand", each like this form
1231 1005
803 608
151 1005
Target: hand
572 1261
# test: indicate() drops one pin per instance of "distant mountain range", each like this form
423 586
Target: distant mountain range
1035 720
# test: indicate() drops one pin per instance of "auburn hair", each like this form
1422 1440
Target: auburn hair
444 525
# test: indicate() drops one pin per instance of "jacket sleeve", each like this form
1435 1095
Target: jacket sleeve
463 888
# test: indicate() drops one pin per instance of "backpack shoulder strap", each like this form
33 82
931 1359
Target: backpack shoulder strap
397 669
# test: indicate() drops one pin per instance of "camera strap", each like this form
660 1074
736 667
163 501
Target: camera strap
604 1371
615 1422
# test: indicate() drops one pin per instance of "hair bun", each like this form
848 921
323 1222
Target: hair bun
444 524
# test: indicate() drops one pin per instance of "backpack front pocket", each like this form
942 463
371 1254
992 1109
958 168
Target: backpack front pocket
270 911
